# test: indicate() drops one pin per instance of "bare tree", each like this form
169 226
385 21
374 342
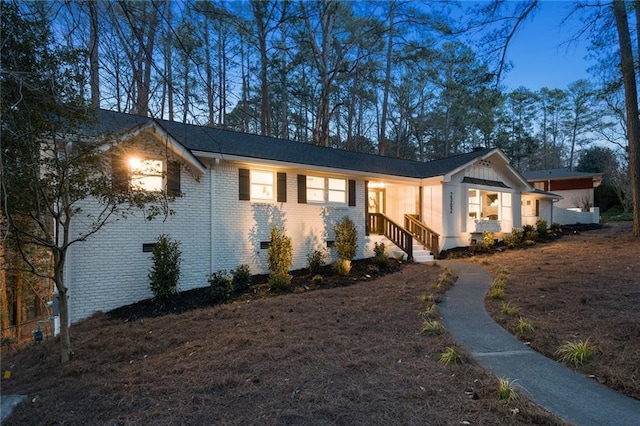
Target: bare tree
629 78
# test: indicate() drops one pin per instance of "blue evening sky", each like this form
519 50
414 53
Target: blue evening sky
540 55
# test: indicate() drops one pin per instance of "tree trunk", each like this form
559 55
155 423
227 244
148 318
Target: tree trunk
93 54
387 84
265 114
209 73
4 301
17 305
63 305
631 104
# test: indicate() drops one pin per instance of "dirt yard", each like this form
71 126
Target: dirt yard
584 286
348 352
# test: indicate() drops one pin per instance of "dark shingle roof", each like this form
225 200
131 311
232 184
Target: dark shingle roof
556 174
226 142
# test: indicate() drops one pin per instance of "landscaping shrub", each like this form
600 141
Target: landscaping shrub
379 249
315 261
241 278
342 267
514 239
380 259
346 241
488 239
541 227
221 285
279 259
165 270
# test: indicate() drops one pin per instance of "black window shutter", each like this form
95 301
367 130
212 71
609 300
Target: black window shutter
245 185
282 187
173 178
119 173
302 189
352 192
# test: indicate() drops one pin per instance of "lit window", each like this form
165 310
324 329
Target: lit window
146 175
474 204
484 205
337 190
315 188
261 185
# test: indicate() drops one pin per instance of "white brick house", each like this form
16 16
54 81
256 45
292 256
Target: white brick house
234 186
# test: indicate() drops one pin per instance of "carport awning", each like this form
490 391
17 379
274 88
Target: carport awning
484 182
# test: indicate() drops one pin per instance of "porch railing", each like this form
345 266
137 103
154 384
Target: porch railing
422 233
380 224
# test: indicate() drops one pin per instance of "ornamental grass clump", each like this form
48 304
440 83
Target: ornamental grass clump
450 356
432 327
576 353
524 326
507 390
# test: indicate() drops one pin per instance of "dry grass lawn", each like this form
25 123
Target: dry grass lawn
348 353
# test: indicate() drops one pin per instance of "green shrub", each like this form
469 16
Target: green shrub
373 269
279 280
514 239
346 241
342 267
488 239
165 271
279 259
220 285
241 278
315 261
379 250
541 226
381 262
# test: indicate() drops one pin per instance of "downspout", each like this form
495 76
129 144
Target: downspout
420 203
211 211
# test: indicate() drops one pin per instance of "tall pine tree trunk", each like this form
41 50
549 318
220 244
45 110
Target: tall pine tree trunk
631 105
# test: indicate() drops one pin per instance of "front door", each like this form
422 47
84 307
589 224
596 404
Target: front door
376 200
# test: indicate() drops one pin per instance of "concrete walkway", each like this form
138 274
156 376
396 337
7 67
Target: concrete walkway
560 390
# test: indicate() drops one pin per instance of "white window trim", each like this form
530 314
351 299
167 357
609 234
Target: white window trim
325 193
268 188
139 174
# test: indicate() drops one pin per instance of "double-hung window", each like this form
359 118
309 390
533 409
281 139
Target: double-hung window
331 190
315 189
337 191
261 185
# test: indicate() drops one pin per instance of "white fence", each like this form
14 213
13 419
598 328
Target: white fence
571 216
